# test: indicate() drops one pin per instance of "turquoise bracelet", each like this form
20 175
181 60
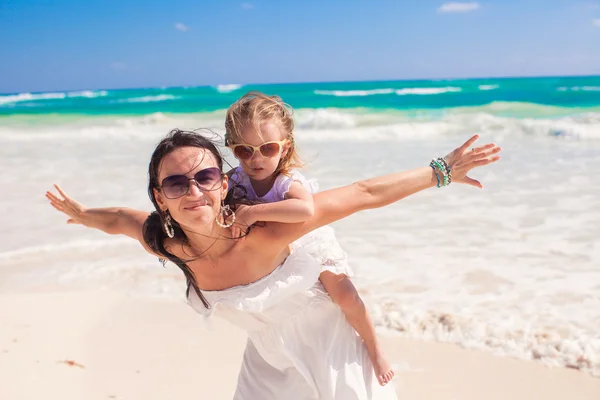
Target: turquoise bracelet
432 165
447 167
439 165
443 171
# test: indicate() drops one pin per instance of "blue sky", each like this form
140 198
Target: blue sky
50 45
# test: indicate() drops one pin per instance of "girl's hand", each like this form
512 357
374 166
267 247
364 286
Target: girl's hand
243 220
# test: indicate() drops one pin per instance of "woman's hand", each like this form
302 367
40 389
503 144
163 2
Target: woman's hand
112 220
67 206
465 158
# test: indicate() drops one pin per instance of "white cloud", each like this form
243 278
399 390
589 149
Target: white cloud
181 27
458 7
247 6
596 22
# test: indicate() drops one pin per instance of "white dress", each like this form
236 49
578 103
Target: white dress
300 345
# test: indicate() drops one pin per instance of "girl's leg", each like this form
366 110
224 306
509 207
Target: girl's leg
344 294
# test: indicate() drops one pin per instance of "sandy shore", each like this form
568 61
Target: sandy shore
125 347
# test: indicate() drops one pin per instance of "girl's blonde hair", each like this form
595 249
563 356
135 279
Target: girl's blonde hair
254 109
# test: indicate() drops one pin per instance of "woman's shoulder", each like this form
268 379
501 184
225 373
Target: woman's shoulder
262 244
263 237
177 248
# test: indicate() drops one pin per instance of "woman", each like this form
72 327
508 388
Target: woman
300 345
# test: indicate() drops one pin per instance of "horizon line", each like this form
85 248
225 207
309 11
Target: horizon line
307 82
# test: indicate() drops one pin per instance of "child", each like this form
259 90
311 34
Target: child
259 131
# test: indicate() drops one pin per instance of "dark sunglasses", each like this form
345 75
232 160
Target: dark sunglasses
245 151
175 186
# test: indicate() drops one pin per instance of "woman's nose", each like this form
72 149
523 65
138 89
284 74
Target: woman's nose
194 189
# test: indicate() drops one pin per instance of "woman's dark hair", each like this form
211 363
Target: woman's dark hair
153 230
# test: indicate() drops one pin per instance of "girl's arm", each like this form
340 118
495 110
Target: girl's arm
298 206
335 204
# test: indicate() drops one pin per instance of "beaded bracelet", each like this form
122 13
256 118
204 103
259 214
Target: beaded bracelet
443 167
432 165
448 170
444 172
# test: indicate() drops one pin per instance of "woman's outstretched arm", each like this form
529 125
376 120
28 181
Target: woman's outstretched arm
113 220
335 204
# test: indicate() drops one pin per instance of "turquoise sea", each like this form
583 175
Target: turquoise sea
573 93
556 106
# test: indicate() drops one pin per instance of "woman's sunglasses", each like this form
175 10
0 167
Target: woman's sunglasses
245 151
208 179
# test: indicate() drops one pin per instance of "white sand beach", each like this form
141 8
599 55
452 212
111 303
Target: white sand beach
110 345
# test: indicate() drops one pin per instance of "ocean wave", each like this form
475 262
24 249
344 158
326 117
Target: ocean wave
88 94
228 88
22 97
338 124
571 349
143 128
399 92
156 118
148 99
579 88
488 87
325 118
358 124
427 91
522 110
30 97
351 93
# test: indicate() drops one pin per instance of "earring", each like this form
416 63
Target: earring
168 227
225 214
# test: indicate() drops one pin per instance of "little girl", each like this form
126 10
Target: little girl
259 132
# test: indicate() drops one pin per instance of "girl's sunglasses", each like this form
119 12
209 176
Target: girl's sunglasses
175 186
245 151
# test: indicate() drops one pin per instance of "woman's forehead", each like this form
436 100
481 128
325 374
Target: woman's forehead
185 160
